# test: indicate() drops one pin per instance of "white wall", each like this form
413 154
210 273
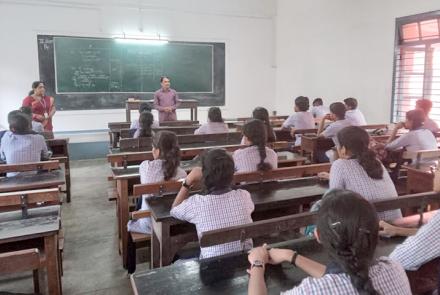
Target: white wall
340 48
245 25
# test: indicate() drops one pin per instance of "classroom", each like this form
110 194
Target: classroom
220 147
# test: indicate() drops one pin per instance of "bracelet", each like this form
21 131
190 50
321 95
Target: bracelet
293 261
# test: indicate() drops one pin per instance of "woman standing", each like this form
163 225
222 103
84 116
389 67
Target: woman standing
43 106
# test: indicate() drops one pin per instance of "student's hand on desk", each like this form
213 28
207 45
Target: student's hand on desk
194 176
277 256
386 229
324 175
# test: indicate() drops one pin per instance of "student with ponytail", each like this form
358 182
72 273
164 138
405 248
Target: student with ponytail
347 227
262 114
146 121
359 170
165 166
256 156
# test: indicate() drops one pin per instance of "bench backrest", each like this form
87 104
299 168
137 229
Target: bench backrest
28 199
168 187
295 221
36 166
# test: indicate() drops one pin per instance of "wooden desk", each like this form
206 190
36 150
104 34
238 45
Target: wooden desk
126 178
30 181
227 274
191 104
60 152
179 130
315 145
418 180
42 223
272 199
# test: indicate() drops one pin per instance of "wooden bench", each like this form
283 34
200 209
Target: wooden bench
21 261
133 104
275 225
136 157
172 187
179 130
144 144
25 167
60 153
420 174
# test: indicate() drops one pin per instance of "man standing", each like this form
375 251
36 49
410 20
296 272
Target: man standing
166 101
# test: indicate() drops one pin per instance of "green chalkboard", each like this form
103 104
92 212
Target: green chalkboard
88 65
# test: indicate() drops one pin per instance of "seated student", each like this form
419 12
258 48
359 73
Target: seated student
145 124
144 106
422 247
302 119
347 227
418 138
338 122
319 110
256 156
426 105
215 123
353 114
220 206
21 144
36 126
165 166
262 114
358 170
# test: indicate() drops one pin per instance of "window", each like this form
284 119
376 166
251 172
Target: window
416 64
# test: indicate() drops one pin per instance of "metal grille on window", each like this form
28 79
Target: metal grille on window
417 65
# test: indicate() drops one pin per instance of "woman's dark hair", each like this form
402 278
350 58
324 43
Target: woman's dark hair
256 133
318 102
351 102
145 106
26 111
35 84
417 117
218 170
348 228
164 77
145 121
262 114
19 123
302 103
215 115
166 142
425 105
356 140
338 109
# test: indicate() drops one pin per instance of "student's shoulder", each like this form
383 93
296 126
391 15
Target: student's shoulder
151 164
327 284
385 264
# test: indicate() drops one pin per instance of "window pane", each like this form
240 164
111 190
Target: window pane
429 29
410 32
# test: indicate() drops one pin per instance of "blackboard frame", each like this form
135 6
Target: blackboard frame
96 101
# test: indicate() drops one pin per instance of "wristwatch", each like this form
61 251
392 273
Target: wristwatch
186 185
294 256
257 263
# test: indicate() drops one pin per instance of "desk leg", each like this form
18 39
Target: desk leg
123 218
127 113
155 251
67 172
115 140
53 273
167 254
195 113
